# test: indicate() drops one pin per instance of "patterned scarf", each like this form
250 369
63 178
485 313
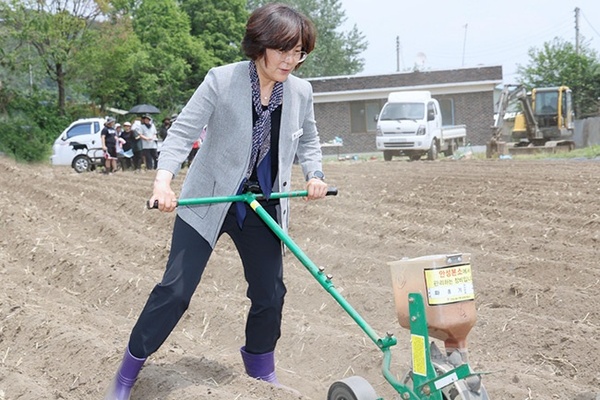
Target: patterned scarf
261 132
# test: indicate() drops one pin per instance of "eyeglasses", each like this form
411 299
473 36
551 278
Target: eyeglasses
295 55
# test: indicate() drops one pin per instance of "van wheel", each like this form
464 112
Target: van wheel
387 155
82 163
433 151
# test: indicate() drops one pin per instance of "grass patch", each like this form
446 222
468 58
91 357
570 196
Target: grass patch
477 153
586 152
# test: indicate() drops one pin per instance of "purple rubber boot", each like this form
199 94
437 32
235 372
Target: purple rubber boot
120 388
260 366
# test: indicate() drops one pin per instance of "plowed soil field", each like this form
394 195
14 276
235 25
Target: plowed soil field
79 254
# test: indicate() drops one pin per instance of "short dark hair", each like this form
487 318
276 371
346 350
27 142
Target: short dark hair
280 27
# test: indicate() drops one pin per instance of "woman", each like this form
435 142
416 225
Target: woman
258 118
127 140
137 147
109 136
149 139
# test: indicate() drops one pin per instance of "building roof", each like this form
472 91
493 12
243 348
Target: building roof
348 88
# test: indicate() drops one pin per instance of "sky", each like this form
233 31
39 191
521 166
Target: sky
449 34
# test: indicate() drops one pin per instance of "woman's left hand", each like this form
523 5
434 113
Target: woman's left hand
162 193
317 189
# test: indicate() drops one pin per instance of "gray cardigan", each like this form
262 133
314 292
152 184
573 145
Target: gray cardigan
223 102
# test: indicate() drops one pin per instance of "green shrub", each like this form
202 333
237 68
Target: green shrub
29 126
24 141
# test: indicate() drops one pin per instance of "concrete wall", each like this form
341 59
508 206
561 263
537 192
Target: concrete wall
333 119
476 111
587 132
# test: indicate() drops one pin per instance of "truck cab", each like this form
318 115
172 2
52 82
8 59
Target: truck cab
410 124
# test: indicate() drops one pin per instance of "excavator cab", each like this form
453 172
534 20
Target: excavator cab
553 110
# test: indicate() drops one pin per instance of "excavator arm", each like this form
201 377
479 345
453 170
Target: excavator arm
508 95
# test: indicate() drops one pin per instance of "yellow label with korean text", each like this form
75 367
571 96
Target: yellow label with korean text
449 284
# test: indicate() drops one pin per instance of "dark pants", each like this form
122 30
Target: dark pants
151 158
260 251
137 159
126 163
192 155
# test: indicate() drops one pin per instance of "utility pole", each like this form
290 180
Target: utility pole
464 45
577 30
397 53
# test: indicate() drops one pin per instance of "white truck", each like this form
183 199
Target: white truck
410 124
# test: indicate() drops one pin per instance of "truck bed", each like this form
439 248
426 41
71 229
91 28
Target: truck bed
454 131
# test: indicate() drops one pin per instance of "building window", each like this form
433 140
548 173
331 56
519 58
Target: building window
447 109
358 122
362 115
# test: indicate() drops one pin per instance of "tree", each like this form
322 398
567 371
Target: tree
337 52
105 70
559 63
56 29
173 62
220 25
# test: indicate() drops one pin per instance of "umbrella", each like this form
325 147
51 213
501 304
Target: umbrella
144 109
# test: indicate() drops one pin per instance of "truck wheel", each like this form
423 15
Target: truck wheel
81 163
452 147
387 155
414 157
433 151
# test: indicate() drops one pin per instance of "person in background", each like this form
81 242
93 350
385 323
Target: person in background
108 135
196 147
252 148
164 128
149 142
137 148
127 142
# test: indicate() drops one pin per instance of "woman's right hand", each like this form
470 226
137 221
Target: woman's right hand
162 193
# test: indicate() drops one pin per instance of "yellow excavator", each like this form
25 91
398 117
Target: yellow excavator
544 123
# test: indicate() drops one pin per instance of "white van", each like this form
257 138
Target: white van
80 145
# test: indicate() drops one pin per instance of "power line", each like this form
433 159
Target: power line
512 46
590 24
